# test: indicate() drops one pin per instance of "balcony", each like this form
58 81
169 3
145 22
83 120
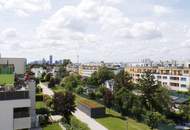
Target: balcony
13 95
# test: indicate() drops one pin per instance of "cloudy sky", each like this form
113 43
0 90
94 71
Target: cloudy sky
109 30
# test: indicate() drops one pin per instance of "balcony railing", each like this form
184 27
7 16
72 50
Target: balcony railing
13 95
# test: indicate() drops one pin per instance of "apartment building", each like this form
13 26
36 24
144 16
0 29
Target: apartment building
18 63
17 106
86 70
175 78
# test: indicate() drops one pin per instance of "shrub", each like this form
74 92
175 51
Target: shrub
43 111
39 97
92 95
43 119
79 90
99 94
48 100
38 89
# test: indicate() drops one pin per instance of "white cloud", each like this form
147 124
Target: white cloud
146 30
9 33
25 7
161 10
186 44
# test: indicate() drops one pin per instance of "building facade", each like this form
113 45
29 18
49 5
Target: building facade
18 63
175 78
86 70
17 107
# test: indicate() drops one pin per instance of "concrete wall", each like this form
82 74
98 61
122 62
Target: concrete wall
19 64
32 93
6 112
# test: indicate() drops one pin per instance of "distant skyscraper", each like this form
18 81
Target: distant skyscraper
50 59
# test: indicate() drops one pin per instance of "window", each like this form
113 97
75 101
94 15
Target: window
186 72
21 112
183 79
165 83
165 77
159 77
174 78
183 85
174 84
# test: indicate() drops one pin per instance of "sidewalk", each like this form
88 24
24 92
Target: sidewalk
46 90
92 123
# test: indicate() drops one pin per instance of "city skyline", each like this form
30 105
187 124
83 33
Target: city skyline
109 30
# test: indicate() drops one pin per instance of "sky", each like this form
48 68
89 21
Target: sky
96 30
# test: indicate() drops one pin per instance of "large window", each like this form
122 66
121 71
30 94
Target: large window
183 79
183 85
174 84
21 112
174 78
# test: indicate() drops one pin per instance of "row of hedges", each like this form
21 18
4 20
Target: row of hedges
76 125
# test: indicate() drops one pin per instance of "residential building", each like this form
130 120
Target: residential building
73 68
17 106
110 84
175 78
86 70
18 63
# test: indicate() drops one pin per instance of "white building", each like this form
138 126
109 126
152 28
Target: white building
110 84
86 70
19 64
38 71
17 107
175 78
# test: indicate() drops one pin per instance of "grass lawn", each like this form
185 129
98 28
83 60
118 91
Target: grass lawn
40 104
54 126
113 121
6 78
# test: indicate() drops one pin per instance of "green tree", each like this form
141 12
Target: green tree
185 111
154 119
71 82
99 77
123 79
154 97
64 104
48 77
108 98
123 100
66 62
123 95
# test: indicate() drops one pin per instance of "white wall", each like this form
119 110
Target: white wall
6 112
22 123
